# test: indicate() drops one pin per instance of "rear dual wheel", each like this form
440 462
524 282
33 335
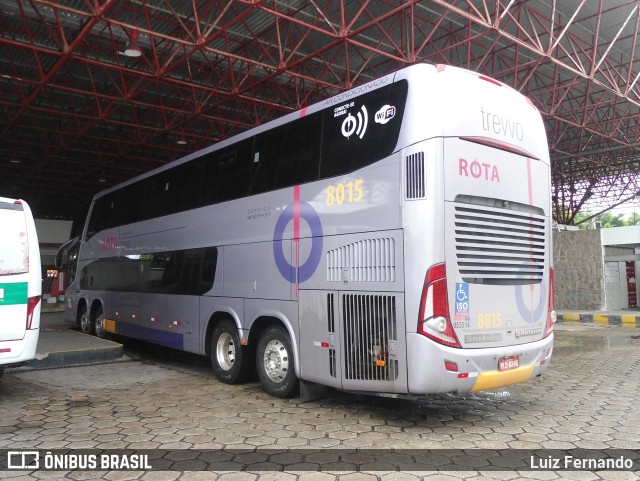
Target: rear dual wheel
233 363
93 324
98 325
275 364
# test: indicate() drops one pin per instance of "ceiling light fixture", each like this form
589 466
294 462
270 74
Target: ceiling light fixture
133 49
182 140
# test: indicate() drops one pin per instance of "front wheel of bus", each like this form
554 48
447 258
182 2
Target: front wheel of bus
86 325
275 363
228 357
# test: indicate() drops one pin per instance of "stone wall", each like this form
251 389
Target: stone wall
579 270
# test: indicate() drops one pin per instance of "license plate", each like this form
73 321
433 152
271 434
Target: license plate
507 363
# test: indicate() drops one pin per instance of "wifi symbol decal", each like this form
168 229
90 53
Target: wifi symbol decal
355 125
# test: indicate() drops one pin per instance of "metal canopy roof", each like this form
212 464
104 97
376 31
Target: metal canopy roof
76 115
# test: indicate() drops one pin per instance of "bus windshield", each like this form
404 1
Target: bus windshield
14 241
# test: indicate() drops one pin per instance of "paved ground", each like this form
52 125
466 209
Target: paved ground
156 400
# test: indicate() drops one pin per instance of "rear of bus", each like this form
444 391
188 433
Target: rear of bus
20 284
479 279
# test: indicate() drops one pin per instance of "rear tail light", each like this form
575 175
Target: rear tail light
32 303
551 316
434 320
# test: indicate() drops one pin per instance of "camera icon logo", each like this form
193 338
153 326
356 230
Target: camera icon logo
23 460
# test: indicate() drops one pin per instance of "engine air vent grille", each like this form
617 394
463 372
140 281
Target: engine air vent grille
370 335
369 260
415 188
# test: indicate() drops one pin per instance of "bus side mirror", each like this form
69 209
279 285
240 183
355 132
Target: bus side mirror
64 250
59 259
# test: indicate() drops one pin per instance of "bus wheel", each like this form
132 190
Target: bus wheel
99 324
275 363
228 357
86 325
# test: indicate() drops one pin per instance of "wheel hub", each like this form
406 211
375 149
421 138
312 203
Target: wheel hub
276 361
99 326
226 351
84 322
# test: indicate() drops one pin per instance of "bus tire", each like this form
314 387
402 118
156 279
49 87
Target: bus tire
98 324
228 356
86 324
274 363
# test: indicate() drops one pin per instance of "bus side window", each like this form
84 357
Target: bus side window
264 168
127 199
150 194
287 155
226 173
103 214
209 265
181 187
190 271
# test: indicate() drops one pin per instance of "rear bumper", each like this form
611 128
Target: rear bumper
477 368
19 351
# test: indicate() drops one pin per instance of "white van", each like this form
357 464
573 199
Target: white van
20 284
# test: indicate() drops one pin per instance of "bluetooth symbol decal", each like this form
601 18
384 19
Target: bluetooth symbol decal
355 125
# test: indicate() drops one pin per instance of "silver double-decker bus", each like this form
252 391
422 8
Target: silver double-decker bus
394 238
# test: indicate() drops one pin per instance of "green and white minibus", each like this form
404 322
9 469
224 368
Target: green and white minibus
20 284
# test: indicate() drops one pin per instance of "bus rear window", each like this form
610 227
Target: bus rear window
14 242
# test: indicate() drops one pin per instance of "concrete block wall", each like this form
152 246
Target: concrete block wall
579 270
51 235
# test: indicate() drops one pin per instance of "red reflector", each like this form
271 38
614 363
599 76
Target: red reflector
490 80
451 366
324 344
500 146
463 375
6 349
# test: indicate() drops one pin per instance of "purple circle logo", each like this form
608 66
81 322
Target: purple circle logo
531 315
293 212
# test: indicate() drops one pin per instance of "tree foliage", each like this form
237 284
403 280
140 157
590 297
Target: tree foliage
609 219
